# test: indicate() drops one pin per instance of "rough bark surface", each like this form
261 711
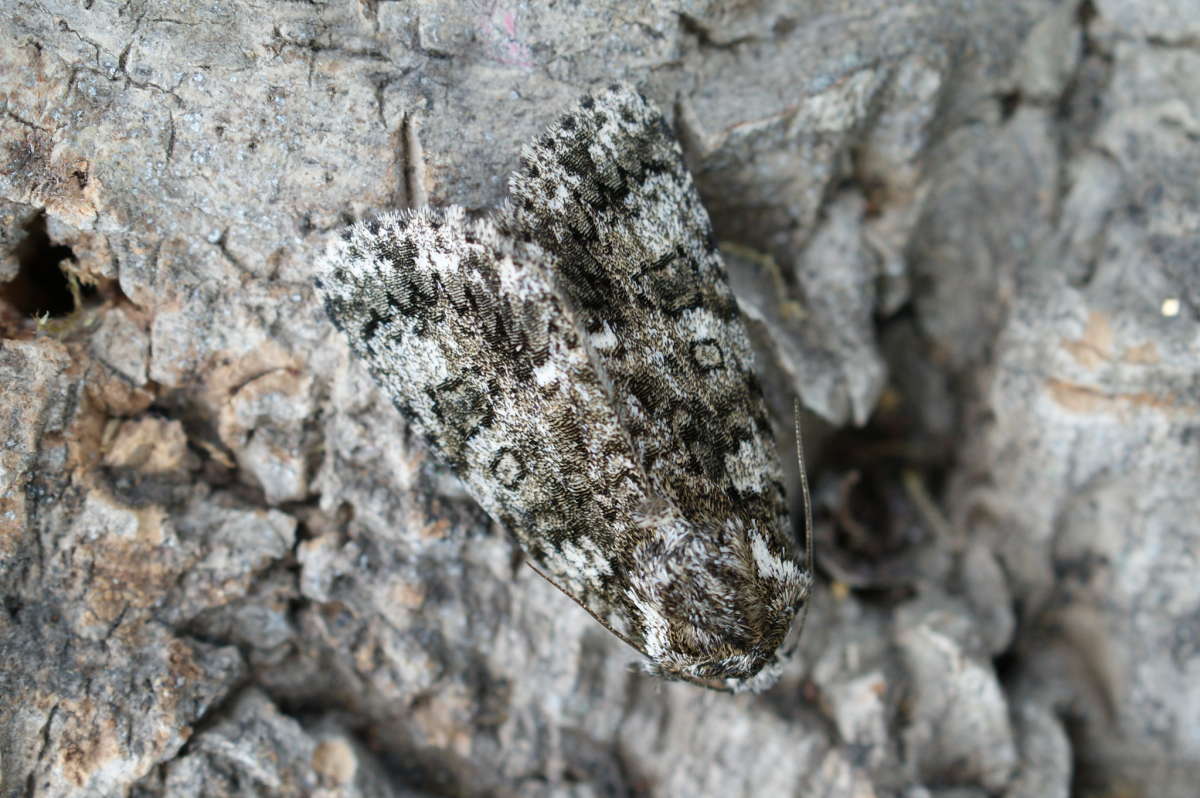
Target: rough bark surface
967 236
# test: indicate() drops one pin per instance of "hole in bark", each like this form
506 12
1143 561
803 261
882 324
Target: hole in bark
1009 103
882 501
41 286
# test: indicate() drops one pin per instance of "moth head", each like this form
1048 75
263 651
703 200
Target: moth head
715 602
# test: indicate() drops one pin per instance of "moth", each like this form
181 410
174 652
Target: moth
579 360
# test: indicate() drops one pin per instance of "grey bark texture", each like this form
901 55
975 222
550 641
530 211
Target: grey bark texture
967 236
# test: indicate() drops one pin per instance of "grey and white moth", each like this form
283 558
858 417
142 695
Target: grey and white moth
579 360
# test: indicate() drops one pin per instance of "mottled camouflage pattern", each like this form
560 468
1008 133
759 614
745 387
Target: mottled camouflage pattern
581 363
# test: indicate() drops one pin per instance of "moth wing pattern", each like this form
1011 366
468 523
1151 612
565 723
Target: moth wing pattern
608 191
580 362
463 329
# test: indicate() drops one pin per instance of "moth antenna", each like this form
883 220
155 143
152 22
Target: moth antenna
808 518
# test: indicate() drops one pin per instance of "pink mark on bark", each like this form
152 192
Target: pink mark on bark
499 29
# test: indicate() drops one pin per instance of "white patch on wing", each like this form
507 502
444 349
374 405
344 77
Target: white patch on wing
654 626
701 323
577 564
746 468
546 373
768 564
605 339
